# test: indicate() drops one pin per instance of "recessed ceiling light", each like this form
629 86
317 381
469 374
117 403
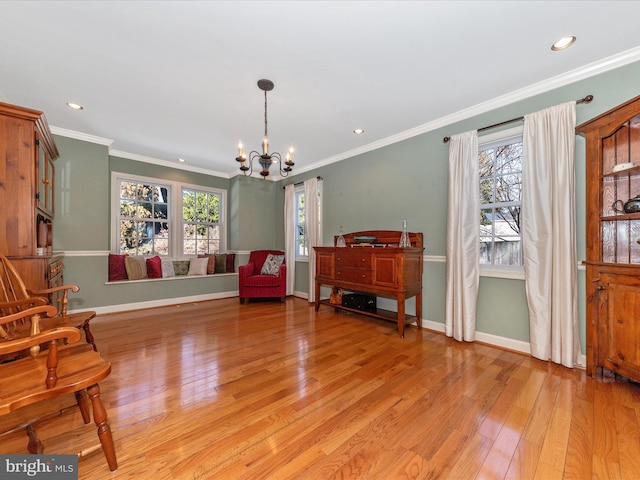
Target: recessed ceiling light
75 106
182 160
563 43
358 131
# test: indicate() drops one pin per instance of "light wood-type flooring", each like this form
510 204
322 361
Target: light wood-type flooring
219 390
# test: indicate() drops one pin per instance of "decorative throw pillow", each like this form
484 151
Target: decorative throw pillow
154 267
231 262
198 266
181 267
221 263
211 265
167 269
272 265
117 270
136 267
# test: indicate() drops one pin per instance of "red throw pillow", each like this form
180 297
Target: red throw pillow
154 267
117 270
231 262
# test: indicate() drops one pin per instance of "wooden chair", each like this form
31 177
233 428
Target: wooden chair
63 368
14 297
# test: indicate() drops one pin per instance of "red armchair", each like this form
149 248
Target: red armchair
254 285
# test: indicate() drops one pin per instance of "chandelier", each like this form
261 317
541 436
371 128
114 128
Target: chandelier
265 159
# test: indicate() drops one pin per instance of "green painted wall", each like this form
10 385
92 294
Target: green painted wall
375 190
81 196
408 180
255 206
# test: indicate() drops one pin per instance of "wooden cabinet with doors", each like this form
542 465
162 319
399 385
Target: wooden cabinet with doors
613 241
381 269
27 154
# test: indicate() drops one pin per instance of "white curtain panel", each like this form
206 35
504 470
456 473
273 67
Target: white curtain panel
313 230
290 237
463 237
549 233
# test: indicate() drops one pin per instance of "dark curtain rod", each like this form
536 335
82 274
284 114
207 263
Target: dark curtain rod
586 99
301 183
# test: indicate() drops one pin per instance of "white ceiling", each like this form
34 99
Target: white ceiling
169 79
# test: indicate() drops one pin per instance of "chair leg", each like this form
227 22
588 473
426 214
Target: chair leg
241 301
35 445
104 431
89 336
83 403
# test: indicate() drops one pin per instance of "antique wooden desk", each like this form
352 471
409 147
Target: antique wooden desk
380 268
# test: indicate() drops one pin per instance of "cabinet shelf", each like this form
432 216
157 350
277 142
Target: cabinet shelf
377 313
629 171
621 216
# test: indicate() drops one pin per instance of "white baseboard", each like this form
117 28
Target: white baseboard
496 341
123 307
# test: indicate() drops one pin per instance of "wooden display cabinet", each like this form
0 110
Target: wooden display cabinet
613 241
382 269
27 154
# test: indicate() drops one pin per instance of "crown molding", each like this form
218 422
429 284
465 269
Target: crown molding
610 63
85 137
166 163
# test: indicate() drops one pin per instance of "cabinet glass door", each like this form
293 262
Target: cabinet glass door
45 181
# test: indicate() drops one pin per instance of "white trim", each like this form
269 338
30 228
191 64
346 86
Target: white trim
497 341
166 163
515 273
156 303
434 258
85 137
503 135
85 253
303 295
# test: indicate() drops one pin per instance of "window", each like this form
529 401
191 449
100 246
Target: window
159 217
143 222
200 221
500 171
301 240
302 248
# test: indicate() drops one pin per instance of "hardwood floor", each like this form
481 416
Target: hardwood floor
219 390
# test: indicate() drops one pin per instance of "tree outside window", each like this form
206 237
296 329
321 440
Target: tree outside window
201 222
500 169
143 219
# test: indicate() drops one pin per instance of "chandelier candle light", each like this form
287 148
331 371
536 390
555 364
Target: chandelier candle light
266 159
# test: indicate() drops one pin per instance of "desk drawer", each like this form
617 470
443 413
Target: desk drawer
355 275
350 259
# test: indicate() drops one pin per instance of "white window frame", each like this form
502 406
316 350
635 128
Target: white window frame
299 190
174 213
221 220
515 272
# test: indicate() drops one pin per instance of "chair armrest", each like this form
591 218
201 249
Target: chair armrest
71 334
25 302
65 295
47 291
283 272
33 314
247 270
